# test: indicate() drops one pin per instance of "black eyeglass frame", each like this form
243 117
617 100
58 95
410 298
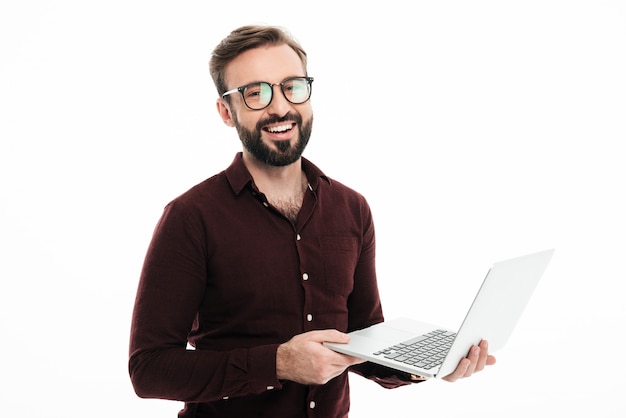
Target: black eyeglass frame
242 89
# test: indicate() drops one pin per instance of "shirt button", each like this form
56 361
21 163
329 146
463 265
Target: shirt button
270 387
312 404
298 237
309 317
225 397
266 204
305 276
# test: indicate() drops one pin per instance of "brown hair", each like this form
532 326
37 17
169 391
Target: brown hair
243 39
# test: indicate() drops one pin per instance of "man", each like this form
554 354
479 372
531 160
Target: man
258 265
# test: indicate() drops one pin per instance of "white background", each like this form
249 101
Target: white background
478 131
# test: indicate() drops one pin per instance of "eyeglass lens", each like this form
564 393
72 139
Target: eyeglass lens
259 95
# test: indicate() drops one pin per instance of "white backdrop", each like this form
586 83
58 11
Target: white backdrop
477 130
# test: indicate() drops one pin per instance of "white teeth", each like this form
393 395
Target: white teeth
281 128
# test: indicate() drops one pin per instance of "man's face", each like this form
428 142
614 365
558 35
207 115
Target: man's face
278 134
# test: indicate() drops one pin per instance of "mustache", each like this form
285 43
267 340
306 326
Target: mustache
289 117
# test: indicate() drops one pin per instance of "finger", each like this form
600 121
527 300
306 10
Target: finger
346 361
473 357
329 335
459 372
482 357
339 364
351 360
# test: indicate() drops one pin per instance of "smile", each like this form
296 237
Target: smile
280 128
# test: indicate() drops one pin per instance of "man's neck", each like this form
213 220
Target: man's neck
282 186
279 182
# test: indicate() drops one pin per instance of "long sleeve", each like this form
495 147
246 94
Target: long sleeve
365 309
170 290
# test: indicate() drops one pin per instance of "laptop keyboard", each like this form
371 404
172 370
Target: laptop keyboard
426 351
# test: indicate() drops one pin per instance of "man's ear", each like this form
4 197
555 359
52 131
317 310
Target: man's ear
223 108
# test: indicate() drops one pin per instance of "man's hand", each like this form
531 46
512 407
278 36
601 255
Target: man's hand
305 360
476 360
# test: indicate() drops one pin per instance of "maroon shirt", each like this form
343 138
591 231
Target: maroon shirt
232 276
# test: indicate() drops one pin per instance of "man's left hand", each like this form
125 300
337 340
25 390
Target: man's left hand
476 360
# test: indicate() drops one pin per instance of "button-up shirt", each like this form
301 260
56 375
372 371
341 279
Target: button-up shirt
227 278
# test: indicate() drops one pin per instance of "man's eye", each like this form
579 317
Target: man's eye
253 92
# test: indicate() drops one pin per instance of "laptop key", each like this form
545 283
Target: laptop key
393 355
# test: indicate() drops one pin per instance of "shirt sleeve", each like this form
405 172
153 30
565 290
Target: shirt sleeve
170 290
365 308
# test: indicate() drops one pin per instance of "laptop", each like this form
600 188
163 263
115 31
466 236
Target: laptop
433 351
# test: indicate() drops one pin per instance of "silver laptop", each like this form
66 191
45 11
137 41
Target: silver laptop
433 351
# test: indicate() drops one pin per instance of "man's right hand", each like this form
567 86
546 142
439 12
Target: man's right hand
305 360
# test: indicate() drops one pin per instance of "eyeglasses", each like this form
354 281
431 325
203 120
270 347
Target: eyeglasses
259 95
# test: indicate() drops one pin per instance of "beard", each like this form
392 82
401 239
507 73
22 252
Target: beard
286 153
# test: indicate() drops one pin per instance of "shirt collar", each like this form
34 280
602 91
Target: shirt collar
239 177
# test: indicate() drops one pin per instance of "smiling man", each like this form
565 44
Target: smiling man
260 264
287 128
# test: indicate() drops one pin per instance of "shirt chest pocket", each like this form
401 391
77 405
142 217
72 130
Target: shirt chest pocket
340 256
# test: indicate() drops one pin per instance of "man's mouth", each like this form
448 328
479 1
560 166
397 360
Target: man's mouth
277 129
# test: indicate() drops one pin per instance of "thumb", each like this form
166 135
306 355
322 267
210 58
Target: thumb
331 336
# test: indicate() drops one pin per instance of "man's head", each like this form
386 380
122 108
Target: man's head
244 38
260 75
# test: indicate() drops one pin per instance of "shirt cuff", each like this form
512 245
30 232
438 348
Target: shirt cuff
262 368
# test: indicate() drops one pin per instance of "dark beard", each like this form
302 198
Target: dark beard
286 153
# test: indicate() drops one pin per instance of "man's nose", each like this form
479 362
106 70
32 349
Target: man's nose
279 104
